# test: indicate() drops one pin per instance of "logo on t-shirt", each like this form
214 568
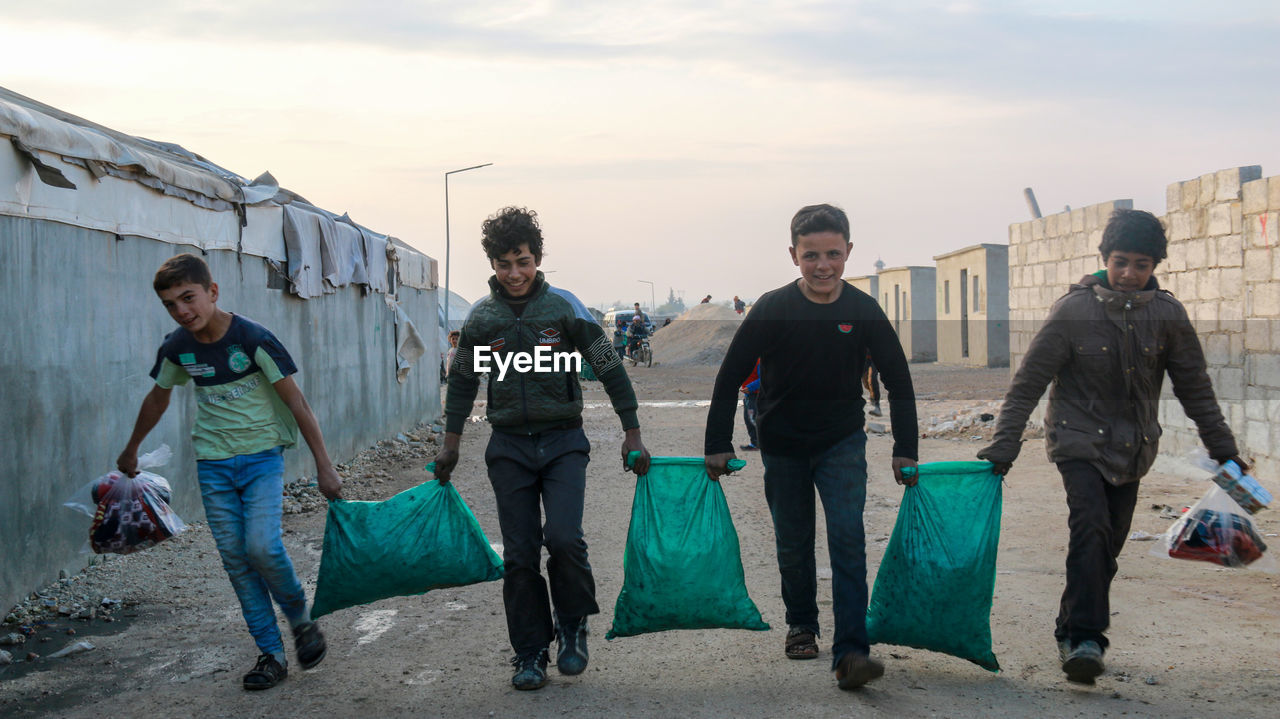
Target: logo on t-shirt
845 327
237 360
549 336
193 367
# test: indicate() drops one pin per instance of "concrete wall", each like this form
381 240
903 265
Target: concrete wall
907 295
1222 265
986 319
82 330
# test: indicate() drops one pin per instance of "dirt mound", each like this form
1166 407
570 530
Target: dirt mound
699 336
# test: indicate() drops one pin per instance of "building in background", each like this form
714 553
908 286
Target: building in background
973 306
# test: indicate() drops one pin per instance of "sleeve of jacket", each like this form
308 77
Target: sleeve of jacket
744 350
460 396
1186 366
598 351
1048 352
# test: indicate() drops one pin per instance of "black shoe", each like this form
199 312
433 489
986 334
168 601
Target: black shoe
571 635
531 670
309 644
854 669
265 674
1084 663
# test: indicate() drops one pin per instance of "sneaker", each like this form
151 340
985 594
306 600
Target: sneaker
309 644
875 411
265 674
1084 663
571 635
855 669
531 670
748 448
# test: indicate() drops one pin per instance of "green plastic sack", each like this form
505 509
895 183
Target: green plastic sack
682 565
938 575
421 539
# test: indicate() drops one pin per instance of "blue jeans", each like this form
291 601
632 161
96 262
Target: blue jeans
840 475
242 501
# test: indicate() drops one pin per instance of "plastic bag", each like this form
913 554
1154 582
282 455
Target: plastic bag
1247 491
682 565
129 513
1219 531
937 579
421 539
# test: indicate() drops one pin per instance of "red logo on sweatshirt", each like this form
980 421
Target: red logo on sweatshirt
549 336
845 327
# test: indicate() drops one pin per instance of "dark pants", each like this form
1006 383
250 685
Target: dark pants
749 416
530 474
840 476
1098 519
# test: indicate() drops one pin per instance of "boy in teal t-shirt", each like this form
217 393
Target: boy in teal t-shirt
248 410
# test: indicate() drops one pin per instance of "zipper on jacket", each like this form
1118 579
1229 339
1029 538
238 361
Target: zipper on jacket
524 396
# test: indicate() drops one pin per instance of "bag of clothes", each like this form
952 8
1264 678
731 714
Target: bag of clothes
129 513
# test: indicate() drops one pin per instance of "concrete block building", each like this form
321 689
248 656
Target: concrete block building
908 296
973 306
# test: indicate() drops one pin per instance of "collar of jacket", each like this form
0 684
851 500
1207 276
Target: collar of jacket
539 287
1115 300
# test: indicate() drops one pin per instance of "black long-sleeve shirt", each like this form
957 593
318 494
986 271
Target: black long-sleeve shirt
811 361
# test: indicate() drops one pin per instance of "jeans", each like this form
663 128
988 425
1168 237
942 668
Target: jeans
530 474
749 416
1099 515
839 474
242 501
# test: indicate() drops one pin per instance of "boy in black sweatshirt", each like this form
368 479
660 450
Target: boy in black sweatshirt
813 337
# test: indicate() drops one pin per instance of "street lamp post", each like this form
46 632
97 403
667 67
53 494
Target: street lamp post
446 239
653 307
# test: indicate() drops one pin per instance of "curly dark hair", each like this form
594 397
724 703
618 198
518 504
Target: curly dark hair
1134 231
509 228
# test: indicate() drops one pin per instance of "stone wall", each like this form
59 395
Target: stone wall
1222 266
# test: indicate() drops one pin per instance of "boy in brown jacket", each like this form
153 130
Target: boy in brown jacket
1106 347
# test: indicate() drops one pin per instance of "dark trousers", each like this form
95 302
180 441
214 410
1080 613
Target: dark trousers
839 474
1099 517
749 416
530 475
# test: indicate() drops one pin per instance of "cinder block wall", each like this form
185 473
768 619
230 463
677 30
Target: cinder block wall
1223 266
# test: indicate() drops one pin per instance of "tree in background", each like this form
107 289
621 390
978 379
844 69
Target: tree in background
673 306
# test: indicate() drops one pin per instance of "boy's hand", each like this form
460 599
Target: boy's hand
718 465
631 443
330 483
127 462
447 458
900 463
1001 468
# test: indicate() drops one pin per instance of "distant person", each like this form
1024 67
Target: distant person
638 311
453 350
248 411
705 300
738 305
537 452
750 388
871 382
620 325
1105 349
638 330
811 338
666 322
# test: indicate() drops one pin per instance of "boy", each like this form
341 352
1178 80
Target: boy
812 337
1106 347
248 410
537 453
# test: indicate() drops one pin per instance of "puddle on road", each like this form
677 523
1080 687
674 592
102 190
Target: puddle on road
374 624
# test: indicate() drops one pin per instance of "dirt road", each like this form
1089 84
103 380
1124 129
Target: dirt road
1188 639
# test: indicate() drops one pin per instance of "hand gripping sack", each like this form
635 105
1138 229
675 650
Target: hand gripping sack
682 564
421 539
936 581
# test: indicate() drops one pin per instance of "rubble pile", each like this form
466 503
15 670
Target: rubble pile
699 336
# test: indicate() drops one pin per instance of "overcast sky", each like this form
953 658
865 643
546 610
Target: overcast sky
673 143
